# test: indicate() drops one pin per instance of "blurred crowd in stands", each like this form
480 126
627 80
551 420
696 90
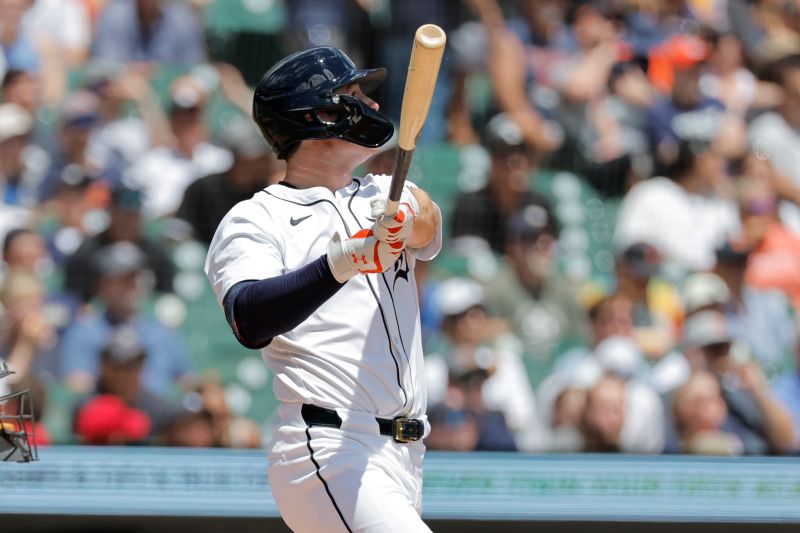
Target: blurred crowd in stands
125 136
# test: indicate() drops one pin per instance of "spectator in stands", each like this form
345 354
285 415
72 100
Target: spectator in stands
755 415
26 336
20 162
142 31
473 340
728 81
24 251
683 215
79 116
594 143
700 413
760 318
485 213
34 66
121 138
657 306
64 25
18 46
775 138
528 290
565 435
125 226
208 200
64 217
36 408
604 415
617 148
786 388
675 68
616 353
164 173
22 88
463 422
121 408
520 63
230 429
774 248
121 295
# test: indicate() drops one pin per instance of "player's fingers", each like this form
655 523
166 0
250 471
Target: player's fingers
378 206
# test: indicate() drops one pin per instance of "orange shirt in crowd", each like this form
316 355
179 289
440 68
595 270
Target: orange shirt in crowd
775 263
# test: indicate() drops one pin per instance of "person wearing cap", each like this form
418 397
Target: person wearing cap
141 31
164 172
657 305
464 422
471 339
484 213
530 293
79 117
125 226
121 292
760 316
120 403
755 414
208 200
20 160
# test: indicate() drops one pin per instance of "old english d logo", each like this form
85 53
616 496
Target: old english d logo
400 269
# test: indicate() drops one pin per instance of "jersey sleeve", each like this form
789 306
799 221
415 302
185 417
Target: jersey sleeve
242 249
432 249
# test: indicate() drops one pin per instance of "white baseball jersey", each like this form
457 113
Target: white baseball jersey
361 350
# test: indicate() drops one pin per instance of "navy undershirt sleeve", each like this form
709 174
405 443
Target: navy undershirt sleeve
258 310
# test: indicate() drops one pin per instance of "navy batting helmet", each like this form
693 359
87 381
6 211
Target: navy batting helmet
291 94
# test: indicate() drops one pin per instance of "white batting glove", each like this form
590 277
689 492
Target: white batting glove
395 227
360 254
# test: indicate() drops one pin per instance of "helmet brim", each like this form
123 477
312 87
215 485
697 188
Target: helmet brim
367 79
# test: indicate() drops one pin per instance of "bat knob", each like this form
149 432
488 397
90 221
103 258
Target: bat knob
430 36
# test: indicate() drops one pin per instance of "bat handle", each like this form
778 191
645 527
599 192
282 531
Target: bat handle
391 208
401 166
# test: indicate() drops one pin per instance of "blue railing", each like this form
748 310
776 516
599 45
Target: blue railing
177 482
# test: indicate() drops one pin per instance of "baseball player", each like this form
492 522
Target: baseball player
314 273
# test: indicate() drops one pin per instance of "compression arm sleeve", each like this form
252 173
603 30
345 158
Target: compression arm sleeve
257 311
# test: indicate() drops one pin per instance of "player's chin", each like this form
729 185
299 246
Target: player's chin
359 153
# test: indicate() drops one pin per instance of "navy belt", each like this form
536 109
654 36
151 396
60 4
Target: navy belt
400 428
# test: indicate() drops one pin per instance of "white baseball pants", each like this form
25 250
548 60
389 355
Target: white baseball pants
351 479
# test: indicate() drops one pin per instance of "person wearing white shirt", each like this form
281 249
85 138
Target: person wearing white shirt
682 215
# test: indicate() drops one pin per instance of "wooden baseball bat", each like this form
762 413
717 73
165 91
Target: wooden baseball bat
423 68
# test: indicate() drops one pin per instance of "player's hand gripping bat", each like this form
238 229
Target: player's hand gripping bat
423 68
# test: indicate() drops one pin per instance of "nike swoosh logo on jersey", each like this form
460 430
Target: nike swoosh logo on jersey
295 221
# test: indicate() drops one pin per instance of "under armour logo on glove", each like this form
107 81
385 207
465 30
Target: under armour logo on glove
362 253
395 227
